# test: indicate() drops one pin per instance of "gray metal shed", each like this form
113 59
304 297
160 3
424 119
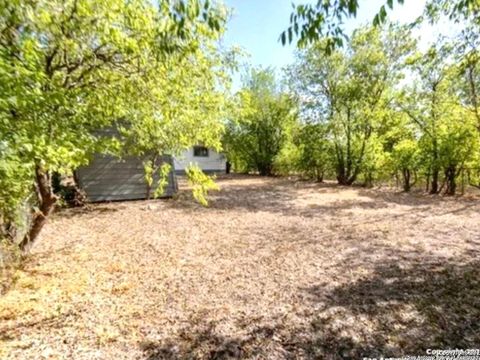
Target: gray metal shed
108 178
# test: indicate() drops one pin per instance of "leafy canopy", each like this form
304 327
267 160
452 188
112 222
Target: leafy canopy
324 19
259 127
70 68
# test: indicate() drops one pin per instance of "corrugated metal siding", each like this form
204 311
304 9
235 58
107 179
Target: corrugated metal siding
107 178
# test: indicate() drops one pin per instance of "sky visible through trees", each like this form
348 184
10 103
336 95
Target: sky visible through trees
256 27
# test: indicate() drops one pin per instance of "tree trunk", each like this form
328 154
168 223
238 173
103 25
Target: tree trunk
434 182
341 178
368 183
406 180
265 169
149 182
450 176
347 181
46 200
434 189
148 192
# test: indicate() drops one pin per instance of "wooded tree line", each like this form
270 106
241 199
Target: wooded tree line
362 110
375 110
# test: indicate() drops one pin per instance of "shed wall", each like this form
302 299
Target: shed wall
108 178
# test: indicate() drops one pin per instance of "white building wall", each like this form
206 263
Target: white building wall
215 162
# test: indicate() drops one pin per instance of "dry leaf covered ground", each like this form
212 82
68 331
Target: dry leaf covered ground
273 269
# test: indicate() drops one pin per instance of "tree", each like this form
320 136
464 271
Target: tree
405 159
314 150
258 130
188 107
324 19
467 56
448 137
459 140
69 68
350 91
353 92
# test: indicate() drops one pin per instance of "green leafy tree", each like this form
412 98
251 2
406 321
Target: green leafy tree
459 140
427 113
188 107
350 91
258 130
467 58
466 70
314 151
324 19
405 160
447 128
71 67
375 161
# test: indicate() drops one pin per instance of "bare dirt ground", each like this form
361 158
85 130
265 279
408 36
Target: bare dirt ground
273 269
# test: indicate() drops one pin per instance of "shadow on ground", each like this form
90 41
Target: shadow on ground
400 308
281 195
360 281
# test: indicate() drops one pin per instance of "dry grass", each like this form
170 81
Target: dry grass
274 269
